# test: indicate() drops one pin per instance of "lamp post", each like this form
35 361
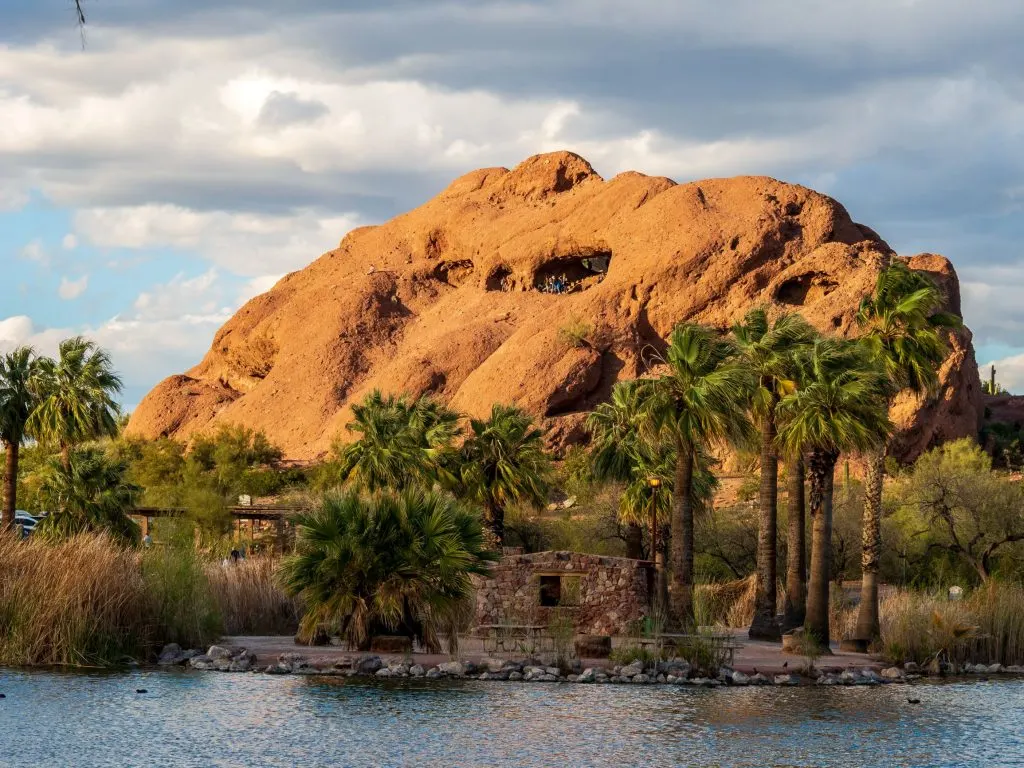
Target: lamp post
659 580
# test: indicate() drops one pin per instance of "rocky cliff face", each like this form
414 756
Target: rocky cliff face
457 298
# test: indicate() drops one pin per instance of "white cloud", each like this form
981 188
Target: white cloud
248 244
256 286
168 330
199 294
72 289
14 331
34 251
296 128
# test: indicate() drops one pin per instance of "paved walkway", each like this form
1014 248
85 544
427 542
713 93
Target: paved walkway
755 655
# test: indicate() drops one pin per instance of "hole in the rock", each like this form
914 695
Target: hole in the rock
734 243
573 273
836 322
805 289
793 209
435 243
454 272
790 229
501 280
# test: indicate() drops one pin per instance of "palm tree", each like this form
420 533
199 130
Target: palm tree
401 443
18 371
76 397
794 607
626 448
616 452
503 462
695 403
838 406
906 334
767 351
389 563
89 493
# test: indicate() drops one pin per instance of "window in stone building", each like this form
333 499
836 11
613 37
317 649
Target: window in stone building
557 590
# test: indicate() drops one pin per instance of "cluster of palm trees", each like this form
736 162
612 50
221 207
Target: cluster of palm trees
387 563
393 548
805 399
404 443
60 403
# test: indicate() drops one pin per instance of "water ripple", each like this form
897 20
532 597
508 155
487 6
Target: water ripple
193 719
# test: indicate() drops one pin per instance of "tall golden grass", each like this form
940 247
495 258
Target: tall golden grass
985 627
249 600
79 602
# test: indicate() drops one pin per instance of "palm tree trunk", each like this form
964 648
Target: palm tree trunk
871 532
10 484
680 594
496 519
764 625
795 607
821 468
634 541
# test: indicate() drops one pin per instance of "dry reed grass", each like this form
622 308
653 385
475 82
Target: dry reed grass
80 602
249 599
986 627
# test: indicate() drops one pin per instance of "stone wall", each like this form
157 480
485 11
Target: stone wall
612 591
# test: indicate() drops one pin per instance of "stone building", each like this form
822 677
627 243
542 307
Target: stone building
603 595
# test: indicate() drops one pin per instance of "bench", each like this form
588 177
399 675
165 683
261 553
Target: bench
526 639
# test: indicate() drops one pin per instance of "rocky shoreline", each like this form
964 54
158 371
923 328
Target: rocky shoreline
675 672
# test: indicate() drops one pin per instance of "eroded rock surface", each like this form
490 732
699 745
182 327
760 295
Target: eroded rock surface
454 299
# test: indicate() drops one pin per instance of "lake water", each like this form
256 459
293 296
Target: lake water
208 719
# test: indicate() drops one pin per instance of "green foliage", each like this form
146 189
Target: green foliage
385 564
700 400
503 462
562 629
182 604
401 443
232 459
591 526
954 502
839 404
627 447
904 331
1006 444
205 481
576 333
76 394
768 350
90 493
986 388
726 543
18 383
847 513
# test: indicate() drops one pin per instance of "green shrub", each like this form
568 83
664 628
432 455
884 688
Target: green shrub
576 333
181 602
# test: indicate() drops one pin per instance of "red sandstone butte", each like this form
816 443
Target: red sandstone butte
444 300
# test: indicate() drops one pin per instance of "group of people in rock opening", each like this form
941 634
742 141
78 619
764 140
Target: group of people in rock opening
553 284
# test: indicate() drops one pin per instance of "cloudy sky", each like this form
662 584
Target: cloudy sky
193 151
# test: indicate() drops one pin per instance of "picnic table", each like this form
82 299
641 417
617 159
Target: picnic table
516 638
721 639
